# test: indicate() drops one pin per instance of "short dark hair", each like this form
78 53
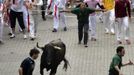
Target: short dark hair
119 49
33 51
80 4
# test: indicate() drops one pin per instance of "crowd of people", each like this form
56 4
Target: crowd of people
22 11
112 11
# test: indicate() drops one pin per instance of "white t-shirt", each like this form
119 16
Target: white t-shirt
60 3
92 5
17 5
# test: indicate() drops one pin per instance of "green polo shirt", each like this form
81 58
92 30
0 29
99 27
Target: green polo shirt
116 61
82 15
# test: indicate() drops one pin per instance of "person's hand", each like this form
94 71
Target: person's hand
68 11
34 4
104 10
62 11
116 20
120 73
48 11
129 19
130 62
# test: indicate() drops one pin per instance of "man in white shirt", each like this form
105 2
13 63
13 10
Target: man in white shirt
92 17
33 20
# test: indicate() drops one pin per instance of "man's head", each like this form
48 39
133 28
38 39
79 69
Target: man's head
120 50
34 53
82 5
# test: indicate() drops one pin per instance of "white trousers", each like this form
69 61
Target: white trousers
122 28
109 19
51 6
33 19
25 16
59 17
31 27
92 25
1 28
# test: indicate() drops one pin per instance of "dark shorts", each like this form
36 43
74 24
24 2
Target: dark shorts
113 72
19 16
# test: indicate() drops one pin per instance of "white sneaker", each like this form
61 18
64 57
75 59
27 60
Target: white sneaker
12 36
32 37
112 32
128 42
70 6
25 37
106 31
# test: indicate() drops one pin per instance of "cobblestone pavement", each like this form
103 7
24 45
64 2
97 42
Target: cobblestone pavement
94 60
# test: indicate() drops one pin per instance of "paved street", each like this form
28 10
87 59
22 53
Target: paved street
94 60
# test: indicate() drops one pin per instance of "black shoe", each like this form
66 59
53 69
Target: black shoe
1 42
79 42
65 28
44 18
93 39
9 33
119 42
85 45
32 39
50 13
54 30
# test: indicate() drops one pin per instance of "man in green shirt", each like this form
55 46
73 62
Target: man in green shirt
82 13
116 64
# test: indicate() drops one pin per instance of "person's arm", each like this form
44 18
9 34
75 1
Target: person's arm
22 66
117 68
101 6
26 3
74 10
25 66
98 10
129 63
20 71
129 10
6 5
49 5
67 10
116 11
